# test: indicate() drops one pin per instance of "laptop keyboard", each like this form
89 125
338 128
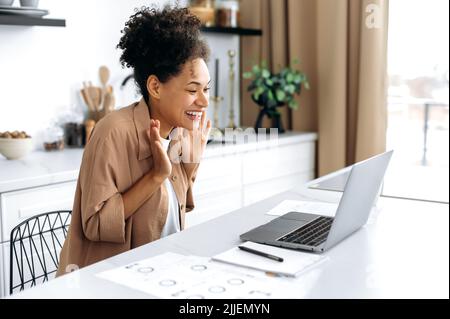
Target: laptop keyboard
311 234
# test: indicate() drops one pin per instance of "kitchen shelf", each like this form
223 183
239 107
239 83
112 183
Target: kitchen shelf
30 21
237 31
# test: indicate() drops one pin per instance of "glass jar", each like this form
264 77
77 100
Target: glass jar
54 138
75 134
204 10
227 13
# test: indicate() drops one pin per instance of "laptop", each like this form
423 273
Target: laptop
318 233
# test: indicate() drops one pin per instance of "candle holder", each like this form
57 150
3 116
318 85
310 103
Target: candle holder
231 55
216 133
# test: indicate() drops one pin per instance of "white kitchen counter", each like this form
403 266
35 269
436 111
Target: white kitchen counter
41 168
258 142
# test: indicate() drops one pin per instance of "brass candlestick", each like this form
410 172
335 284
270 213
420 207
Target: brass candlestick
232 55
216 104
216 133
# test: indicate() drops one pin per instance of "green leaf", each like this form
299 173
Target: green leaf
265 74
290 78
290 88
258 92
280 95
269 82
259 82
293 104
297 79
306 84
271 96
247 75
256 70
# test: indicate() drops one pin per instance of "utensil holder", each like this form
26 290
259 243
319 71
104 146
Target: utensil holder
96 115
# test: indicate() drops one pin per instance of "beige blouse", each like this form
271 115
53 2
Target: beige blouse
117 156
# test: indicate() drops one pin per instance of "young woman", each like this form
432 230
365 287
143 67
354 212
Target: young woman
140 163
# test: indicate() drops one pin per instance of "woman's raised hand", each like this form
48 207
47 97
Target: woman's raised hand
194 145
162 167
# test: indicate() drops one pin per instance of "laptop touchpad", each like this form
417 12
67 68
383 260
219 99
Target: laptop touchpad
285 225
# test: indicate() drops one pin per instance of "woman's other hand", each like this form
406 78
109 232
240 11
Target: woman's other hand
195 143
162 167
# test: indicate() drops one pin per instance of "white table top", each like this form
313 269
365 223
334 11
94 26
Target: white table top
402 252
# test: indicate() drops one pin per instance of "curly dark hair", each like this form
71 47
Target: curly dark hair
159 42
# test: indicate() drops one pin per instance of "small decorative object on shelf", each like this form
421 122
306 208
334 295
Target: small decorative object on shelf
227 13
231 55
29 3
6 2
271 91
204 10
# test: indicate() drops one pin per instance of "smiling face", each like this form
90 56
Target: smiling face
180 101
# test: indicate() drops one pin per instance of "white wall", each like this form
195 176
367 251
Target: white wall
42 68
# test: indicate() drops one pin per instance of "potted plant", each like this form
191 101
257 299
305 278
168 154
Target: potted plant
271 91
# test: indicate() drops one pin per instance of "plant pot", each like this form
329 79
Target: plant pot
277 123
275 117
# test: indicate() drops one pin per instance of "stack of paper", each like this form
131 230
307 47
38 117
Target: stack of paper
293 264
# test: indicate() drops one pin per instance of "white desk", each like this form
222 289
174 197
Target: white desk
403 252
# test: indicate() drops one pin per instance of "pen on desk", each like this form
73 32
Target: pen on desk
260 253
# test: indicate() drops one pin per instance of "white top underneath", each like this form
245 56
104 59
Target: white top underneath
172 224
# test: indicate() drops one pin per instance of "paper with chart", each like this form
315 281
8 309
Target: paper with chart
310 207
190 277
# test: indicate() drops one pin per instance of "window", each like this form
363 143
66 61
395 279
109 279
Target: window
418 109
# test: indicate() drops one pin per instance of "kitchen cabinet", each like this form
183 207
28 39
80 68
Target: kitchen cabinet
231 180
230 176
21 205
17 206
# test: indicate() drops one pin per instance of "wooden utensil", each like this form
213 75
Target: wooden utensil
108 102
87 97
112 100
96 96
103 73
89 126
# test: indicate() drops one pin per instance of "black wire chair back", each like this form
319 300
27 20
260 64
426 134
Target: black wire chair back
35 247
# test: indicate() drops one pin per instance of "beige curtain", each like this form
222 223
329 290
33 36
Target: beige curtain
342 46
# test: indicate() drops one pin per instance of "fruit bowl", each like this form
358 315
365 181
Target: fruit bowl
15 146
